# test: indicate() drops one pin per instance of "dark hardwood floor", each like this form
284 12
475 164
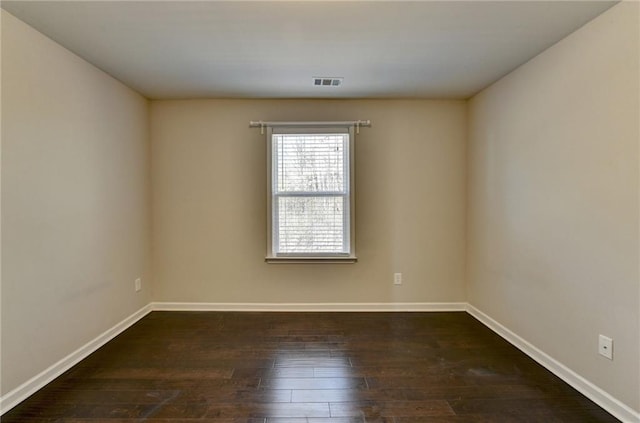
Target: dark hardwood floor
307 367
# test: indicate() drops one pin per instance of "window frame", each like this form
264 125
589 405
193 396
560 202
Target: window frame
349 210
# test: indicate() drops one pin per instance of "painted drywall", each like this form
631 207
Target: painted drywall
209 203
75 202
553 201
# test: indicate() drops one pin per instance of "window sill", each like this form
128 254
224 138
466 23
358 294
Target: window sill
284 260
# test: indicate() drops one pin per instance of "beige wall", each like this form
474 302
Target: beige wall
75 202
209 203
553 201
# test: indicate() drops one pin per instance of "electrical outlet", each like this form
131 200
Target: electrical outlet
397 278
138 284
605 347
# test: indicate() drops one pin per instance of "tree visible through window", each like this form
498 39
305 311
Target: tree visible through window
311 193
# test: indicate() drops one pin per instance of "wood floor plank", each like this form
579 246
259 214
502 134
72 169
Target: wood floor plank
373 409
314 383
229 367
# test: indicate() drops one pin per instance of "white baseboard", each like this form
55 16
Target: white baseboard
588 389
22 392
326 307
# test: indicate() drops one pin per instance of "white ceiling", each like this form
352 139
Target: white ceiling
197 49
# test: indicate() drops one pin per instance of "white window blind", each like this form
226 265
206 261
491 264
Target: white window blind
311 194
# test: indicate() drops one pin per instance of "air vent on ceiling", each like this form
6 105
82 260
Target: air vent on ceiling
327 81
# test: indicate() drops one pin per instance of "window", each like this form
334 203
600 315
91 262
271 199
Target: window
310 200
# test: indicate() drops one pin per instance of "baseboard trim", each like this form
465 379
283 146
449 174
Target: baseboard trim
603 399
22 392
326 307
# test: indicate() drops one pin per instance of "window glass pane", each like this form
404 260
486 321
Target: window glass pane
310 162
311 224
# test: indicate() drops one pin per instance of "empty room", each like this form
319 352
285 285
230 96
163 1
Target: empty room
320 211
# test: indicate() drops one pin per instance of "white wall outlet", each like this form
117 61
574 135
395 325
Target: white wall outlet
397 278
605 347
138 284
